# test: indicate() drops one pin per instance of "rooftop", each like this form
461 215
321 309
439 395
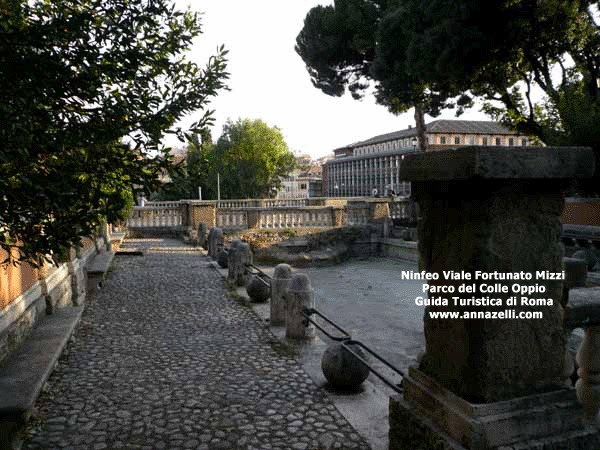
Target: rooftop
441 126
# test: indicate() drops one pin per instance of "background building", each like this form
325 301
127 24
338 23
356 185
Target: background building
304 182
372 167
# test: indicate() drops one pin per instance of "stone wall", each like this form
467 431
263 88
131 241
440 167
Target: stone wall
54 287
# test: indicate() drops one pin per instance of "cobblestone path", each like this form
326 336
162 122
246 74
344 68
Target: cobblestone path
165 359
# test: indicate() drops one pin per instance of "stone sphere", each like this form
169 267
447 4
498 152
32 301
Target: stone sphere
257 290
342 369
222 258
587 256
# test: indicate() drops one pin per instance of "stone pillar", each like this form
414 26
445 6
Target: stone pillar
215 242
282 276
493 211
233 260
300 295
239 257
338 216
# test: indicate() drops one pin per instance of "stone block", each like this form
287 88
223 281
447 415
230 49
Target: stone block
429 416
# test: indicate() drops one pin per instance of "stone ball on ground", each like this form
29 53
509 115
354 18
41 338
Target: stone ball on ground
222 258
258 290
342 369
587 256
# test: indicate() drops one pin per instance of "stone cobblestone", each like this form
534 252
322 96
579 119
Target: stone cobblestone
164 358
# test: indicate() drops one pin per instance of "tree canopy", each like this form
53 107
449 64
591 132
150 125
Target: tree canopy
446 54
251 159
79 76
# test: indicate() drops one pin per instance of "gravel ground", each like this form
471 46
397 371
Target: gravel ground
164 358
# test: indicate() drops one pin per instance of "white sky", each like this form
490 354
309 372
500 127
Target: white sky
268 79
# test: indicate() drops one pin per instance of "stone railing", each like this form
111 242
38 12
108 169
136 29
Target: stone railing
403 209
156 215
232 218
303 217
185 216
357 215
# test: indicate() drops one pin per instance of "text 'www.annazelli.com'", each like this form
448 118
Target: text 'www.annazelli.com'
506 314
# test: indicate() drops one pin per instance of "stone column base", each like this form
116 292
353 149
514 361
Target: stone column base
429 417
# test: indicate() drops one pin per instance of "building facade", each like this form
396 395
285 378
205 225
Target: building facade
301 183
372 167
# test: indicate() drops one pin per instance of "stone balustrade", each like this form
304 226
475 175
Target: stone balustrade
295 218
231 215
357 215
232 219
163 214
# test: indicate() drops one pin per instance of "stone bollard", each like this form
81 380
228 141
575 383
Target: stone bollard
232 260
209 240
239 257
215 242
387 227
245 258
586 255
213 236
300 295
280 283
202 241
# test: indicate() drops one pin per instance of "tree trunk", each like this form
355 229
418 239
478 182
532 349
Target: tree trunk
420 124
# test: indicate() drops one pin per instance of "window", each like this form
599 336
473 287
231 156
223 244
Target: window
457 140
498 141
484 141
471 140
524 142
303 186
511 141
442 139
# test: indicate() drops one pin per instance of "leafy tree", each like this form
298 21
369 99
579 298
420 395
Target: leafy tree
79 76
443 54
251 159
191 173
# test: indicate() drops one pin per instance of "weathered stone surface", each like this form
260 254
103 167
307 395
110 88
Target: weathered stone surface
547 417
492 227
410 428
239 257
215 241
202 235
587 256
280 283
300 295
499 163
258 289
342 369
223 258
575 272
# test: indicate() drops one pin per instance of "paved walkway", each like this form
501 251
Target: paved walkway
165 359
